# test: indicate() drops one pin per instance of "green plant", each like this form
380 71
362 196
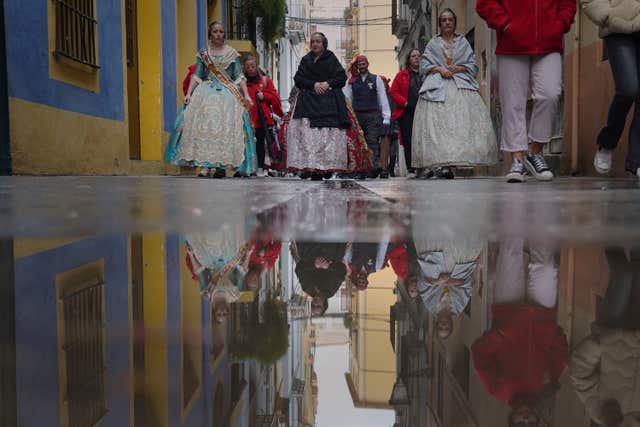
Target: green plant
273 14
264 342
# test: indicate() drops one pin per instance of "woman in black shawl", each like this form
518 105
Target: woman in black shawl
321 271
322 136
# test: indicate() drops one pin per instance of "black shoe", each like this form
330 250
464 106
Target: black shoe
537 166
316 177
219 173
446 173
384 174
374 173
427 174
362 175
305 175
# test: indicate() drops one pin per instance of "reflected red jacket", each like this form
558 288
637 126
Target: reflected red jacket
271 101
265 253
397 257
536 27
524 351
400 93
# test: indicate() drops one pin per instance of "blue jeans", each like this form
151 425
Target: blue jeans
624 59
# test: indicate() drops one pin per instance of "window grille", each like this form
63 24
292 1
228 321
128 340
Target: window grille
84 355
76 30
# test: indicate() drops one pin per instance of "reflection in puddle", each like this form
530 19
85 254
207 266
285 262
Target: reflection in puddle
286 318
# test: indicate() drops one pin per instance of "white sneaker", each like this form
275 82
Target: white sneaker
602 160
261 173
203 172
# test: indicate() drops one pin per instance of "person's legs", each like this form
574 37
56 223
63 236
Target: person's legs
513 76
406 133
612 309
384 156
632 162
369 124
546 88
542 285
260 146
623 59
510 284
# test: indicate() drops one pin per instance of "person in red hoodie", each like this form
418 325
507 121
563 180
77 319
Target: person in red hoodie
265 96
404 92
529 50
521 358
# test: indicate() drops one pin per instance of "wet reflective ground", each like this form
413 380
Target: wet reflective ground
277 302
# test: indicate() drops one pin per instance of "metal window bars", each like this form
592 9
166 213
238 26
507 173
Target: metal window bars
76 31
84 355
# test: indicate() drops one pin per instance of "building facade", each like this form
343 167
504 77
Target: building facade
100 96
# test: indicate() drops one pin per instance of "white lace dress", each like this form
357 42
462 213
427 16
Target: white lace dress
456 132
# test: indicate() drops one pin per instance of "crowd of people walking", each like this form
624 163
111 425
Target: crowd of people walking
428 122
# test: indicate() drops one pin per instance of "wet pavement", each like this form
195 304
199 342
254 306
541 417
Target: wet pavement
279 302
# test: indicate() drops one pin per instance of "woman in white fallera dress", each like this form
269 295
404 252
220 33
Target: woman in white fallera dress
452 126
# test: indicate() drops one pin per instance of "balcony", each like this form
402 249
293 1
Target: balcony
241 29
399 24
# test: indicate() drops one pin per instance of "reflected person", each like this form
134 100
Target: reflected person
321 270
444 278
521 358
605 366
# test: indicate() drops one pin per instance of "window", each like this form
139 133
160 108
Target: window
83 346
76 31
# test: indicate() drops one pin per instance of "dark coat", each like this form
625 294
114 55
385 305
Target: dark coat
328 110
318 282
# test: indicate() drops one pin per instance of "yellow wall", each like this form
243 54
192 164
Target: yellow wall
155 320
191 329
150 71
187 20
372 373
376 41
64 142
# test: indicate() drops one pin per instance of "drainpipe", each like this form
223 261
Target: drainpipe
5 150
575 93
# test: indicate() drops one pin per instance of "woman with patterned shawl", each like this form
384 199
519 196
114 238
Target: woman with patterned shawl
321 134
213 131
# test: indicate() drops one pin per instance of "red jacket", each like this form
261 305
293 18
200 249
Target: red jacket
271 99
536 27
524 346
397 257
265 253
187 79
399 93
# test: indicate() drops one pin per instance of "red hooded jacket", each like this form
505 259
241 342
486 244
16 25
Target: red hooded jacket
271 101
524 351
536 27
400 93
265 253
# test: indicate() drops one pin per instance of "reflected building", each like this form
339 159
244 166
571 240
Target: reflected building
409 334
371 371
114 330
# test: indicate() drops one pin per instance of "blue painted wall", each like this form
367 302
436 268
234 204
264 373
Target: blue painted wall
169 62
202 24
36 329
28 60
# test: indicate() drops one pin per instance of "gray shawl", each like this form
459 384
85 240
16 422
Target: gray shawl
434 87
